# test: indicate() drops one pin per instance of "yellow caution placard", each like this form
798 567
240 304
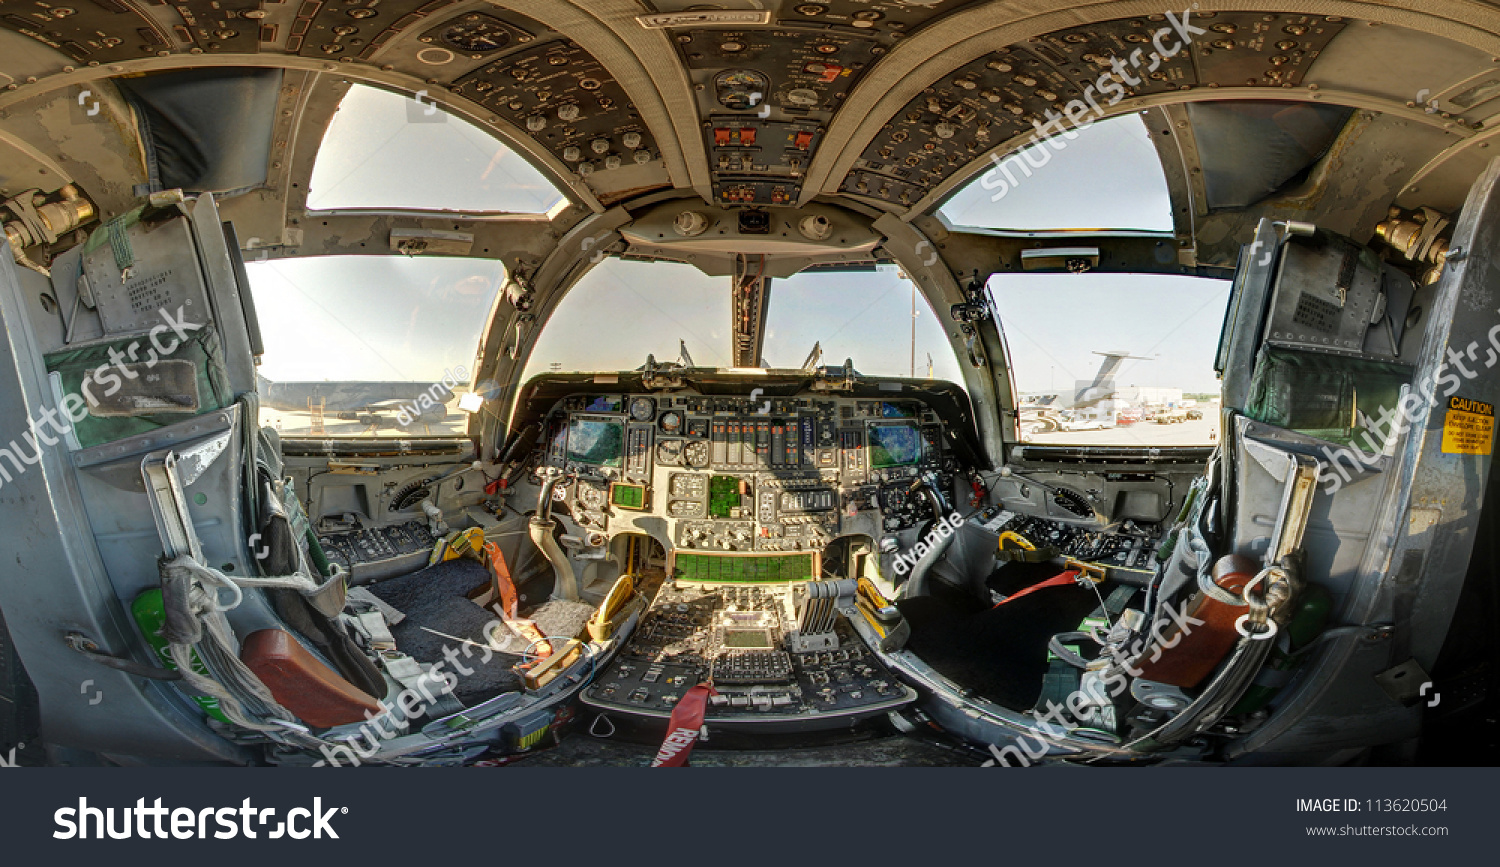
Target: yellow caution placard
1469 428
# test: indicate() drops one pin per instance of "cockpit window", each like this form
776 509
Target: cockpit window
370 345
621 311
1113 359
1108 176
877 318
388 151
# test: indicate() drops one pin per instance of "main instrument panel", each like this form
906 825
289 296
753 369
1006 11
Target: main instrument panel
730 474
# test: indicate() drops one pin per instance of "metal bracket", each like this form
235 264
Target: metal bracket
169 506
845 380
1296 504
1403 683
660 376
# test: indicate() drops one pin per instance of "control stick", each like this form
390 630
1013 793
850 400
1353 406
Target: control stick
540 527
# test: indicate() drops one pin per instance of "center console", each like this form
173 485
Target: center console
777 646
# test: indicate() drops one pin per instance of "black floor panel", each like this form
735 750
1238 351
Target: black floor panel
999 653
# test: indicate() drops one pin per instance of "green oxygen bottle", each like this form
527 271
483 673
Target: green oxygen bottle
150 615
1309 621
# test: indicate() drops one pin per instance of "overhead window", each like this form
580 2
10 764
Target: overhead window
388 151
1107 176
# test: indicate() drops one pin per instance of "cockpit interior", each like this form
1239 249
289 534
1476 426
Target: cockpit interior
453 382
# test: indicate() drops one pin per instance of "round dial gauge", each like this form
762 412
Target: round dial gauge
741 89
669 452
696 453
642 408
477 37
671 422
591 497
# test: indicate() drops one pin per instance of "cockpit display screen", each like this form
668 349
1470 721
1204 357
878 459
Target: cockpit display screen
747 639
596 441
896 445
604 403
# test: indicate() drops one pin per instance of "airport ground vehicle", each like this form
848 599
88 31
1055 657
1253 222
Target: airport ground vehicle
632 508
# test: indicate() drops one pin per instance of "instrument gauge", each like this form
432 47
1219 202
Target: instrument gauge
669 452
591 497
478 37
741 89
695 454
671 422
642 408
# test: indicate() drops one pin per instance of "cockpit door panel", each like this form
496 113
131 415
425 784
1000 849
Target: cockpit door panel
1393 524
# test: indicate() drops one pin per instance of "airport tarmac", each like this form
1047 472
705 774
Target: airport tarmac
1200 432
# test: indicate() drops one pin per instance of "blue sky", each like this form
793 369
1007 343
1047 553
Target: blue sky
621 310
1107 177
383 150
363 318
371 318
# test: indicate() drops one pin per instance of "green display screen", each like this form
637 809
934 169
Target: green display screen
742 569
751 639
723 495
628 496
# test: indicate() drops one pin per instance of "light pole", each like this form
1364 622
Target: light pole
913 373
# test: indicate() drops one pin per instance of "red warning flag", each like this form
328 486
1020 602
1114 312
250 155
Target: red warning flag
1068 577
683 728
